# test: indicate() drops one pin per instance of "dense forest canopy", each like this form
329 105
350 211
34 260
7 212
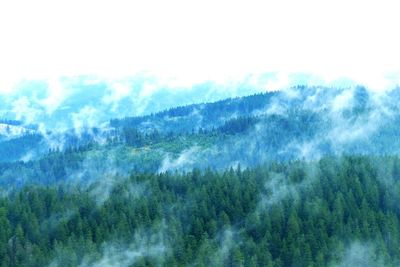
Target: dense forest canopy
300 123
303 177
280 214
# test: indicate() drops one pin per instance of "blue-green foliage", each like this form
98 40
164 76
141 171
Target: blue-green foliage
310 216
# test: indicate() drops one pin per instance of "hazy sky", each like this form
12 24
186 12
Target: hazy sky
193 41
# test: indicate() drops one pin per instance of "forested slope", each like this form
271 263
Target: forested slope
303 177
293 214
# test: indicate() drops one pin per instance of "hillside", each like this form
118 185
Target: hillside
302 123
334 212
303 177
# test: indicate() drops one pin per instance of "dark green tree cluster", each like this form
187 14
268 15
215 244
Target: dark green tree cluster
238 125
205 115
14 149
286 214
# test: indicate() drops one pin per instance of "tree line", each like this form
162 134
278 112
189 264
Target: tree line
277 214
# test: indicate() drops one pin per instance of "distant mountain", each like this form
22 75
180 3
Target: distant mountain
10 131
298 123
307 176
198 116
90 101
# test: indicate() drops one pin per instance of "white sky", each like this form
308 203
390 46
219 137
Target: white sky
200 40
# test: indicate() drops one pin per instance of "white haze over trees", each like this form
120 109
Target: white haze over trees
92 61
185 43
69 67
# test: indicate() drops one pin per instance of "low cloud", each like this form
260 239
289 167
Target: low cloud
361 254
150 244
184 161
281 186
85 118
24 110
56 95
